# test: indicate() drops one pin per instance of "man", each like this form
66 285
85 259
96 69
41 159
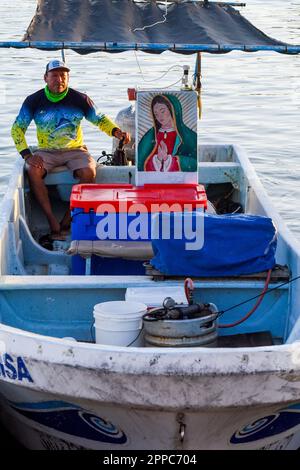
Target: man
57 111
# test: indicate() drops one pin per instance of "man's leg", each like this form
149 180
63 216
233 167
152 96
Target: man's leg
86 176
41 193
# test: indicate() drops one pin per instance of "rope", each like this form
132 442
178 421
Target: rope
169 86
259 297
221 312
155 79
154 24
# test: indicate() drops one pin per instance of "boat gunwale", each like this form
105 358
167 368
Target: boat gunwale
120 375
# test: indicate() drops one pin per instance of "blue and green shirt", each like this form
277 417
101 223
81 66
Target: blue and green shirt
58 123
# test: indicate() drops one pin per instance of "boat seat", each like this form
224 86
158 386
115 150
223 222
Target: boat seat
64 179
59 169
60 175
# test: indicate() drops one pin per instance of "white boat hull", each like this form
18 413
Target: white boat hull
114 428
59 394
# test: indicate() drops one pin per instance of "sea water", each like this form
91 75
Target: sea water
251 99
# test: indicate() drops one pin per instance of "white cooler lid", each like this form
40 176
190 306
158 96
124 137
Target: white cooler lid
154 296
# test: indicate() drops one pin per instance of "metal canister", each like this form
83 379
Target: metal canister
191 332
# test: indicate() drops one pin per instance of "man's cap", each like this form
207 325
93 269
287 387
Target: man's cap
56 64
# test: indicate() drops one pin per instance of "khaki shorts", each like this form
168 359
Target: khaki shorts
73 159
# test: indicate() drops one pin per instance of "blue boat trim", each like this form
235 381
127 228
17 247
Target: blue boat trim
72 420
147 47
286 419
46 405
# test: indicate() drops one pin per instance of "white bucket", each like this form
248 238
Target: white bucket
119 323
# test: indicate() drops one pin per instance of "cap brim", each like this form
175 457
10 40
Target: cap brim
60 68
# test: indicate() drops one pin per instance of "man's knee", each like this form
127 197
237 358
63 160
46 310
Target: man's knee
35 173
86 174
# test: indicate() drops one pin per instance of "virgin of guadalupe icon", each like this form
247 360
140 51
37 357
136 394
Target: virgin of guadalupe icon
169 145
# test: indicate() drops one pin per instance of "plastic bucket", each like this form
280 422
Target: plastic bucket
119 323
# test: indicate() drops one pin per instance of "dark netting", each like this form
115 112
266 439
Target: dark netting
118 21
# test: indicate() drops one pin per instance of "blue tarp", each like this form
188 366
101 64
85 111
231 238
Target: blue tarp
233 245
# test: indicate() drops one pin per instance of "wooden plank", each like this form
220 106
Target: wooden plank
279 273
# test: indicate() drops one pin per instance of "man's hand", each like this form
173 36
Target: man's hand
122 135
35 160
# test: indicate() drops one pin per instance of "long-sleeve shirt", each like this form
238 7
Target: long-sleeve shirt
58 124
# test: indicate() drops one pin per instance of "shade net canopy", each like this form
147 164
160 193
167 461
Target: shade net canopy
116 25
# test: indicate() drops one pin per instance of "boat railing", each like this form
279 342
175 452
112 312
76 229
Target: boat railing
147 47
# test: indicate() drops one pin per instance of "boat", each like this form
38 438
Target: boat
61 389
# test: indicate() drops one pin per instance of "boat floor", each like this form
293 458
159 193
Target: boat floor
246 340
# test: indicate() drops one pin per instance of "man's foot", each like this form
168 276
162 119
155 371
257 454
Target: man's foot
46 242
57 236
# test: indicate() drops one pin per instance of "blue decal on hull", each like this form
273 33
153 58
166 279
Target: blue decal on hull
14 369
268 426
72 420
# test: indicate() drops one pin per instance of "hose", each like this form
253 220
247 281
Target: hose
259 300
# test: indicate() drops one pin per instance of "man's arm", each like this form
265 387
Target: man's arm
19 128
104 123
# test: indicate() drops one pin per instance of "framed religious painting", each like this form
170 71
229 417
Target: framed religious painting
166 137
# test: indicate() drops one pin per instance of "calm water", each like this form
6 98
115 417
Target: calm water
250 99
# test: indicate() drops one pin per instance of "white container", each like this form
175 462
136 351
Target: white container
119 323
154 297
